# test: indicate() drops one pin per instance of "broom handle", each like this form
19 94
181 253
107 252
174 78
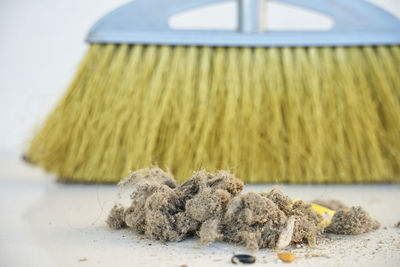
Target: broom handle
251 16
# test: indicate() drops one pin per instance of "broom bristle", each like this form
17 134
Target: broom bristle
296 115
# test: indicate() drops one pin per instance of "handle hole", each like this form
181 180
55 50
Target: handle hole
223 16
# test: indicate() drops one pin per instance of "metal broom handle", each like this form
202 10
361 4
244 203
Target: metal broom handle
251 16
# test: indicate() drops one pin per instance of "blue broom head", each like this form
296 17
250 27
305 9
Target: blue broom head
356 23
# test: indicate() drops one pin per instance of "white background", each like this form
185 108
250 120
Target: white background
41 44
44 223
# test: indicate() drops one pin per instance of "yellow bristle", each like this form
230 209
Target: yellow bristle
298 115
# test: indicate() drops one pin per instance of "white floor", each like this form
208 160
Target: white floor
45 223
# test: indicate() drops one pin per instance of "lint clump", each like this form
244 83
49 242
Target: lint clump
213 207
353 221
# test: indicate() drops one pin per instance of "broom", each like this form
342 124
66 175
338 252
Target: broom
298 107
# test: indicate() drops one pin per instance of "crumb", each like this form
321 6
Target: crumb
286 256
397 224
82 259
243 258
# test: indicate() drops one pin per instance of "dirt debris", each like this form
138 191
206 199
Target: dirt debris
354 221
397 224
212 207
116 218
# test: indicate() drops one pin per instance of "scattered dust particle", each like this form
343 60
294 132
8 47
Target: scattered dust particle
397 224
26 159
183 265
286 256
83 259
215 260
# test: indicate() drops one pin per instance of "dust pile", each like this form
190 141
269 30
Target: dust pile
213 207
352 222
